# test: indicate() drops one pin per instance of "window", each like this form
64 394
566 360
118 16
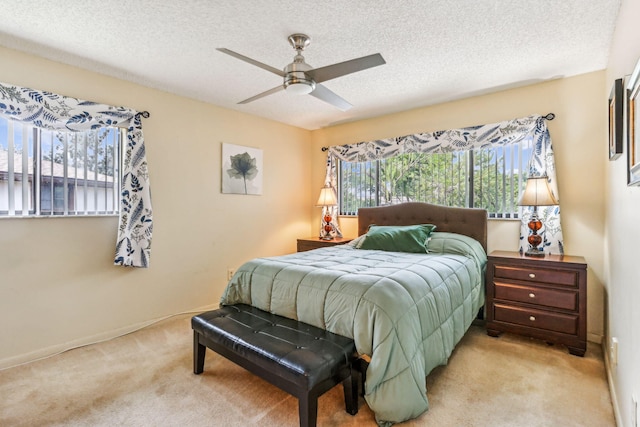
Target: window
54 173
489 178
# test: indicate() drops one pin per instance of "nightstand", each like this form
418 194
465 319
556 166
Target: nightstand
544 298
316 242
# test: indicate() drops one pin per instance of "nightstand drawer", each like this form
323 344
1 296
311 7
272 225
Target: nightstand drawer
308 246
565 300
538 319
541 275
311 243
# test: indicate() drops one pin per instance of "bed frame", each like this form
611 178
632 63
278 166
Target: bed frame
471 222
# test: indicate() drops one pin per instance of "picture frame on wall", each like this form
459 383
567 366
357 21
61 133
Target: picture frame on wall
242 170
633 127
616 101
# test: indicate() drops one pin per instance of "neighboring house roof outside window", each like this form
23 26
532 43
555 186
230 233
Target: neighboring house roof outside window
46 166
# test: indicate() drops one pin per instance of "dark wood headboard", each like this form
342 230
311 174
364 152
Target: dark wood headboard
470 222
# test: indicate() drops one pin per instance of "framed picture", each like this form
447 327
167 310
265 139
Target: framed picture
633 127
241 169
616 100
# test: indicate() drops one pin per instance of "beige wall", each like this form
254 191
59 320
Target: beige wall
58 286
577 134
623 234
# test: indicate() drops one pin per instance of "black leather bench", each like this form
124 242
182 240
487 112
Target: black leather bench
301 359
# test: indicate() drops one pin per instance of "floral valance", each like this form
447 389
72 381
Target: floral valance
57 112
468 138
474 137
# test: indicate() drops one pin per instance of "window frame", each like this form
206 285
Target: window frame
523 154
78 181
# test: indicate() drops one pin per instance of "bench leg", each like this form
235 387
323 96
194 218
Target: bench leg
199 351
308 410
350 386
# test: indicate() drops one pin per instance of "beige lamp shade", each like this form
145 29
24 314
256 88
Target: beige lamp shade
327 197
537 193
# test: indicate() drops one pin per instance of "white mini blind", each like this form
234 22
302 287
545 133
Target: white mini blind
57 173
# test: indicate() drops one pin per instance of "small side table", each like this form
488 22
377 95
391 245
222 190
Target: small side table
316 242
544 298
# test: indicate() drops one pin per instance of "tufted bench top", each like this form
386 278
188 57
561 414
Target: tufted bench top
301 353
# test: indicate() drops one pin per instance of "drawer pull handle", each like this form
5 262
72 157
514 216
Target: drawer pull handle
532 275
532 295
532 318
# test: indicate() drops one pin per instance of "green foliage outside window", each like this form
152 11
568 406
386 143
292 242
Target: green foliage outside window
486 178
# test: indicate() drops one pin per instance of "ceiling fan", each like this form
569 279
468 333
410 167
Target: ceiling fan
301 79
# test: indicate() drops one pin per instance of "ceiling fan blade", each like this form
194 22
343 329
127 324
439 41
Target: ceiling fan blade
262 95
329 72
252 61
324 94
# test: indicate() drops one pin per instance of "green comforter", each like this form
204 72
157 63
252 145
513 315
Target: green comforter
406 311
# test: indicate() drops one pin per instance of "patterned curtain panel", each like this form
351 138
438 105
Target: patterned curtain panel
469 138
56 112
543 163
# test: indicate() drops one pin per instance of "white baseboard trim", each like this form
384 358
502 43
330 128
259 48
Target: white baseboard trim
612 389
594 338
43 353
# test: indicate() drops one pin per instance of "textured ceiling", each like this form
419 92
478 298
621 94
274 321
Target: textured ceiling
436 50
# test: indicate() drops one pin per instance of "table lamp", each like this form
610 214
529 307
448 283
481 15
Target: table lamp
536 193
327 199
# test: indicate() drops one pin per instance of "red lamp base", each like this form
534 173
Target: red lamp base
328 228
534 238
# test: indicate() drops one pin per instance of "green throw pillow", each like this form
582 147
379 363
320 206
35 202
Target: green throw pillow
398 238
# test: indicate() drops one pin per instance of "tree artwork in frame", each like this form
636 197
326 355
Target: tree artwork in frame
616 100
633 127
241 169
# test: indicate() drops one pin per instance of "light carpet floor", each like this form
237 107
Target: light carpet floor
145 379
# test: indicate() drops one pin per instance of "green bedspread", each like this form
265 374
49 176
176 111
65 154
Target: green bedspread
406 311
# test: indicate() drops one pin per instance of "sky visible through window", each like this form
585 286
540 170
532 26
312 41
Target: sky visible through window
52 144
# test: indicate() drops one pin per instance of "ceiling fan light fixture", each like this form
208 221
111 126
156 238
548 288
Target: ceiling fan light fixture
300 87
295 79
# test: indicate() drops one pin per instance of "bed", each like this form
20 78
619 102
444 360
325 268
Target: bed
405 309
